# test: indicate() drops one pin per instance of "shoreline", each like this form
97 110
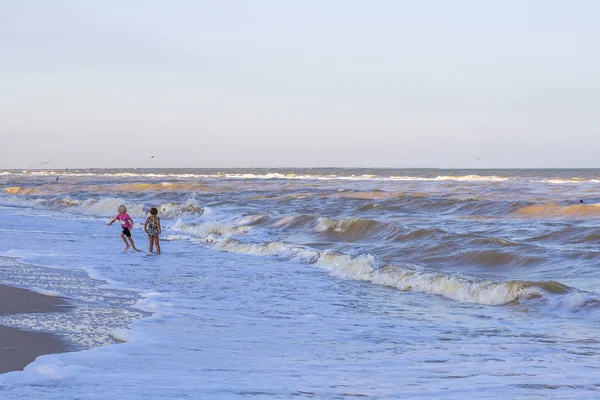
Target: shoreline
19 347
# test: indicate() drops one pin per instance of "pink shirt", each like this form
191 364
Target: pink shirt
124 218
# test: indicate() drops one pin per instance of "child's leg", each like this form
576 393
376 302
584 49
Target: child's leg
124 240
151 244
132 244
157 243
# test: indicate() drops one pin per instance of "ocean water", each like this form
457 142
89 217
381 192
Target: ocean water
309 283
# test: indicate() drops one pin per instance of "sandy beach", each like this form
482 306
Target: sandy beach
18 347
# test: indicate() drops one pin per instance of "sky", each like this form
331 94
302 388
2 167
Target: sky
312 83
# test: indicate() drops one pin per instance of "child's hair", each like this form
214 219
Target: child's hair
122 208
153 211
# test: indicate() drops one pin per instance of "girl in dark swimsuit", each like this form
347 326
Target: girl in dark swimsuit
152 228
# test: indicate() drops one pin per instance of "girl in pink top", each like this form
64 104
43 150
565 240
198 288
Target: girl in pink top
126 224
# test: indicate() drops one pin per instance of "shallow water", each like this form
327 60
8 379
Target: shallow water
310 283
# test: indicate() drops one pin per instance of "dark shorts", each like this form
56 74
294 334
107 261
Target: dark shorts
126 232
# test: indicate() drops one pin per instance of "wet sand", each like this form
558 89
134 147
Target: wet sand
18 347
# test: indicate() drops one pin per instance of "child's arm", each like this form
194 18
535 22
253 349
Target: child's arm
113 220
146 225
159 227
130 220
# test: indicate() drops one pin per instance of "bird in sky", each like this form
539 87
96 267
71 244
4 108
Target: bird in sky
45 162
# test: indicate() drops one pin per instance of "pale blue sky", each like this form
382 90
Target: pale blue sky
299 83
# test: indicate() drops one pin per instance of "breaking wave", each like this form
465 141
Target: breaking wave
251 220
354 228
107 206
552 295
344 229
207 229
475 178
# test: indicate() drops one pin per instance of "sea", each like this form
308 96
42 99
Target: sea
309 283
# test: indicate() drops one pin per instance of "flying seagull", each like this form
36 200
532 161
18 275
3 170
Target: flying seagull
45 162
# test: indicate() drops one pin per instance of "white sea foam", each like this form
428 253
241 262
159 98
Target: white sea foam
576 303
265 176
452 287
51 367
473 178
174 210
206 228
324 224
561 181
364 177
153 302
46 292
20 201
279 249
345 266
121 335
170 238
107 207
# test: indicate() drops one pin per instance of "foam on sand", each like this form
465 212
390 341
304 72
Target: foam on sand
20 347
